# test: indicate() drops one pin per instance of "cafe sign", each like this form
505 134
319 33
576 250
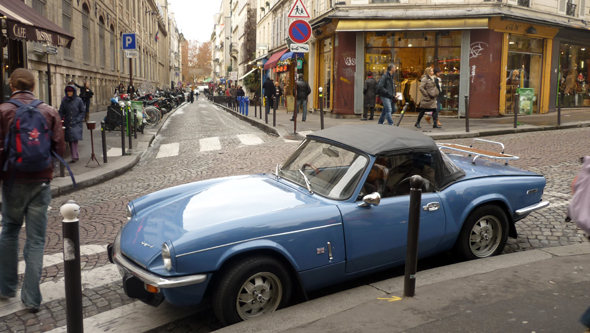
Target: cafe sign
33 34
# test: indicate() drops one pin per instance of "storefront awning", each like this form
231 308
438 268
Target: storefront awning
250 72
290 55
24 23
404 25
272 62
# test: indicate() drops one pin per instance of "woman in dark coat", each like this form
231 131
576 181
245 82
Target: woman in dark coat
370 94
72 110
428 100
85 94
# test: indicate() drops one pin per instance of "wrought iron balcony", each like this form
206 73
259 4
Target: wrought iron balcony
524 3
570 9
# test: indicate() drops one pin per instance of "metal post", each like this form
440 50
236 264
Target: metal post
261 105
559 101
268 100
321 108
49 82
134 124
72 271
129 117
255 109
274 112
104 142
416 183
123 130
466 113
516 109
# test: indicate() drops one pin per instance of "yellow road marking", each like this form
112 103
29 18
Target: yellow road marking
391 299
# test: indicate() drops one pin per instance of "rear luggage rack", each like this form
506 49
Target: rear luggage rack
479 152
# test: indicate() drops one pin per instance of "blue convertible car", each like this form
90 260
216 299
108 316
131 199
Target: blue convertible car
335 210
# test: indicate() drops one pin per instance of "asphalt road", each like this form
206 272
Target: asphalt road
201 142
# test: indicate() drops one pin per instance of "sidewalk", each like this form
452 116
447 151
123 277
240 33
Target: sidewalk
117 163
544 290
452 127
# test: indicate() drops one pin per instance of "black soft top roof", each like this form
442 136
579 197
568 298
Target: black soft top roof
378 139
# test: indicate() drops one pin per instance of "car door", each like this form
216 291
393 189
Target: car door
377 235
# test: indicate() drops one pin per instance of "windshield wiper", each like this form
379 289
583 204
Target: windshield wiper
306 181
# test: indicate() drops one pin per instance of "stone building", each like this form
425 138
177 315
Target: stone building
96 55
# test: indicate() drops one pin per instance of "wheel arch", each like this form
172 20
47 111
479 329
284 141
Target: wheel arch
497 200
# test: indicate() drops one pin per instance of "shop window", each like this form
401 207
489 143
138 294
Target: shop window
573 75
325 69
412 53
523 76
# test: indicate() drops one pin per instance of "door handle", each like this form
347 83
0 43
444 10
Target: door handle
431 206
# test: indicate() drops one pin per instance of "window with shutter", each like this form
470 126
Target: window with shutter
561 8
582 11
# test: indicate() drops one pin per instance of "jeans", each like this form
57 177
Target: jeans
299 103
268 104
386 113
29 201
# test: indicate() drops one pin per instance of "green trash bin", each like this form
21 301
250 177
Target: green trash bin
526 100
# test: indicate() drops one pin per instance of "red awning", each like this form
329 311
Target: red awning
24 23
272 62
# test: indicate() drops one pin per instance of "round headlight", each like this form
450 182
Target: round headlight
122 104
166 257
129 213
128 103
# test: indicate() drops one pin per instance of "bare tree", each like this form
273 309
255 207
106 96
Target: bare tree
199 60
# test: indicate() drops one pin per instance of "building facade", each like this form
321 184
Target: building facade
96 54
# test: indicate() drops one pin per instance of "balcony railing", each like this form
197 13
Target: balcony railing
570 9
524 3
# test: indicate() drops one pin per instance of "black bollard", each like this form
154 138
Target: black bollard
261 106
466 113
72 271
134 124
321 108
123 130
104 142
268 100
274 112
255 110
516 108
559 101
416 183
130 127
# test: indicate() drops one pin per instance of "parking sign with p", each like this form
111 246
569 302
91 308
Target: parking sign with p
129 41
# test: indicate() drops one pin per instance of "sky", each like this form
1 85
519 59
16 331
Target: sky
195 17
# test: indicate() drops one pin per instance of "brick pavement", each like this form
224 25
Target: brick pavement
103 206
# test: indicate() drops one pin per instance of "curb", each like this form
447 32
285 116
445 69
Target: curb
310 311
63 186
435 136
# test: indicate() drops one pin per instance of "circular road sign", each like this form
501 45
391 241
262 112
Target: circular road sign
299 31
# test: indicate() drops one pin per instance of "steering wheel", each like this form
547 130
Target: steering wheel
316 170
407 179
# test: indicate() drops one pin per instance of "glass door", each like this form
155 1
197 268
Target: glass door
523 76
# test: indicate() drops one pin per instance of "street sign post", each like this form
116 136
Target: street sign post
233 76
299 48
299 11
131 54
300 31
129 41
50 49
130 45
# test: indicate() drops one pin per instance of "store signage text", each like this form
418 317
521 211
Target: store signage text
300 48
513 27
19 32
42 36
34 34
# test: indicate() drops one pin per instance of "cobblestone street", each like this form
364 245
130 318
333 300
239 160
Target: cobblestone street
201 142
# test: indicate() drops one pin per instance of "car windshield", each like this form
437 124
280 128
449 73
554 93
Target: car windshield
331 171
449 167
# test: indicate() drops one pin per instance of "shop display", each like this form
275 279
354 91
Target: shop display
524 68
574 74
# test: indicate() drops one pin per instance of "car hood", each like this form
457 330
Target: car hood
205 208
483 168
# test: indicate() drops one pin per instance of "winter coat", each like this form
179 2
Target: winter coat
429 93
303 90
72 110
438 83
85 93
386 87
269 88
240 92
370 92
278 91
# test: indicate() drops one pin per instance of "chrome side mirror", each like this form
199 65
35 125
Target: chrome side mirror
371 199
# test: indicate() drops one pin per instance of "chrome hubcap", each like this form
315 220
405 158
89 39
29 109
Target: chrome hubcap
261 293
485 236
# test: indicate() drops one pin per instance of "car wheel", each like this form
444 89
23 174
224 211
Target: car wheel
484 233
250 288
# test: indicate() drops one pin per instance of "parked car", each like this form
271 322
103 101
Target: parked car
335 210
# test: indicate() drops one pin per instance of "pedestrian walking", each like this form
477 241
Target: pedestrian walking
386 91
438 83
370 94
278 94
197 94
131 91
269 91
25 198
303 90
428 100
192 95
85 94
233 91
120 89
72 111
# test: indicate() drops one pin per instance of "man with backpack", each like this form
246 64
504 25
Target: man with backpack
29 131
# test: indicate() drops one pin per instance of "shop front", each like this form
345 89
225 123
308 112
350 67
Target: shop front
526 60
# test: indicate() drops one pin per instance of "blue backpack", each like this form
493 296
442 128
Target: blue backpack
28 144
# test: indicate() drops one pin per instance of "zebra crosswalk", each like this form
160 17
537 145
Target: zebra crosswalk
211 144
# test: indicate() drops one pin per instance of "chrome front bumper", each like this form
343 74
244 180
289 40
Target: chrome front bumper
532 208
127 267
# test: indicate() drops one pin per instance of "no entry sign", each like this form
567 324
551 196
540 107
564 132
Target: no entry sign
299 31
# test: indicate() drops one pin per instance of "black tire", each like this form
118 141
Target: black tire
226 296
490 236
